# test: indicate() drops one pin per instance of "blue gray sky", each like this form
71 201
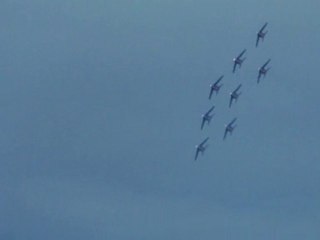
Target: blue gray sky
100 109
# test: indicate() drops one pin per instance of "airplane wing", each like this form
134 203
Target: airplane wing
257 41
237 88
210 110
264 65
225 134
232 121
211 91
202 123
240 55
259 76
204 141
220 78
197 153
234 67
230 102
263 27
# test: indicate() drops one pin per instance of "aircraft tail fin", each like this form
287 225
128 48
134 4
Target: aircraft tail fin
242 62
210 118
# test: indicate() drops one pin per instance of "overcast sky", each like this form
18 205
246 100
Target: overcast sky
100 110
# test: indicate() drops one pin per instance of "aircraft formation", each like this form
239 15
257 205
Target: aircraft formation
234 95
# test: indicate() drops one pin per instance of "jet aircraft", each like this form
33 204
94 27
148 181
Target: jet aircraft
215 87
234 95
229 128
263 70
207 117
201 148
238 60
261 34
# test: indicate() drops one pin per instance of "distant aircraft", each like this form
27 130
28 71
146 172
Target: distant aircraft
207 117
215 87
229 128
201 148
234 95
238 60
261 34
263 70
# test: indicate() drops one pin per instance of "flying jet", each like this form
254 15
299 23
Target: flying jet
201 148
234 95
215 87
229 128
261 34
207 117
263 70
238 60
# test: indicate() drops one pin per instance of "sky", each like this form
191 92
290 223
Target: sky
100 110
